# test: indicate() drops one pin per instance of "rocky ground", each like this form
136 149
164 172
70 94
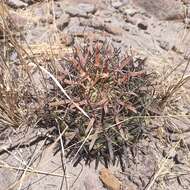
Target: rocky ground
156 30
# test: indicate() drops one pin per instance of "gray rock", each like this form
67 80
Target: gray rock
131 20
164 45
130 11
81 10
99 24
186 2
16 4
126 28
88 8
57 12
117 4
187 22
117 39
63 21
20 21
162 9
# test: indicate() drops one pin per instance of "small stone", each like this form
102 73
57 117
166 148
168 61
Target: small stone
88 8
117 4
131 20
186 2
164 45
112 29
142 25
162 9
187 22
50 20
16 4
109 180
43 20
179 158
130 12
81 10
117 39
20 21
126 28
57 12
63 21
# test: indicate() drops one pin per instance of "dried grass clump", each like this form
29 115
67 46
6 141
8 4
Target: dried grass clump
18 97
114 90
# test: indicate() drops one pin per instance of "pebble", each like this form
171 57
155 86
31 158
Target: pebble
131 20
142 25
162 9
81 10
63 21
16 4
130 11
126 28
187 22
117 39
109 180
99 24
19 21
164 45
117 4
186 2
113 29
57 12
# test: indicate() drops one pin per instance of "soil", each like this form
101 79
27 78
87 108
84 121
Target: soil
155 30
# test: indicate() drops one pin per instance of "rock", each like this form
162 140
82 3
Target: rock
117 39
50 19
187 22
164 45
186 2
63 21
43 20
18 20
180 157
98 23
40 11
126 28
117 4
16 4
142 25
130 11
113 29
75 28
88 8
109 180
131 20
57 11
162 9
81 10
